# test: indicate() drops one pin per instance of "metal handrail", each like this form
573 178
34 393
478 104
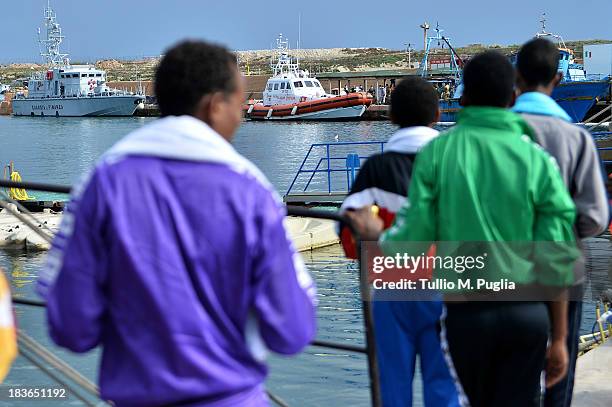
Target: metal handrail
596 115
328 158
369 348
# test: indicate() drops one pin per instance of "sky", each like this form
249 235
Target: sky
127 29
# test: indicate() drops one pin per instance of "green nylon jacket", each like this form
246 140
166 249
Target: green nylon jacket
485 180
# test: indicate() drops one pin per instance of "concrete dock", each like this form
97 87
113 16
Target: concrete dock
593 385
15 235
306 233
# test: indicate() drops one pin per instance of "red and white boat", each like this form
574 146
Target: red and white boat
292 94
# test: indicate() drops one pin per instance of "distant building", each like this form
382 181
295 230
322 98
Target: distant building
598 59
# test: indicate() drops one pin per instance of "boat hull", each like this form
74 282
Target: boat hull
349 107
337 114
576 98
77 107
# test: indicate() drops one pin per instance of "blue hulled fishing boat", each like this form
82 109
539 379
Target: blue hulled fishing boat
576 94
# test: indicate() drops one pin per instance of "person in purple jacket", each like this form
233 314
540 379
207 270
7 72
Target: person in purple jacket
173 256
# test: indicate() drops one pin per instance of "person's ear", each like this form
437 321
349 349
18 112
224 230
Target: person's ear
202 110
209 108
558 78
216 109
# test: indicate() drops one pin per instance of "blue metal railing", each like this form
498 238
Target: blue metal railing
601 135
327 159
330 156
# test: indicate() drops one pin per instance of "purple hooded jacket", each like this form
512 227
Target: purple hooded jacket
173 257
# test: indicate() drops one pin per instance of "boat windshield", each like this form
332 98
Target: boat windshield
298 84
309 84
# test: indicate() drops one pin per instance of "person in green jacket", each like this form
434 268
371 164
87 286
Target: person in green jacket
486 186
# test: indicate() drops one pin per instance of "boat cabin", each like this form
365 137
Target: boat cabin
570 70
292 89
68 81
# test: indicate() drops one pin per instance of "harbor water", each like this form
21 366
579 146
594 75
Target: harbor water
61 150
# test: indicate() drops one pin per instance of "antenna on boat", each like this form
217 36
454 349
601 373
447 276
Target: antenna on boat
425 27
544 33
455 60
299 47
54 38
543 21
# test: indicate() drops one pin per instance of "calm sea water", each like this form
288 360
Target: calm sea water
62 150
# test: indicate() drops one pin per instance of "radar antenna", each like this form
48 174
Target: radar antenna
51 44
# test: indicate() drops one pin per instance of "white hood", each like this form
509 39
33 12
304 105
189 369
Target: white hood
410 139
183 138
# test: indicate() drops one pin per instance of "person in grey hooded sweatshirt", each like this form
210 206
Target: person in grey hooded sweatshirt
574 149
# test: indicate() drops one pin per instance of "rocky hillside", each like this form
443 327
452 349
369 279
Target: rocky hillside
258 62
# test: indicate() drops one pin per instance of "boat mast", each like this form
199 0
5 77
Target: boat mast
299 47
455 70
545 33
283 64
54 38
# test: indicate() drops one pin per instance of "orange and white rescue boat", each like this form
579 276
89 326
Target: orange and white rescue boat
292 94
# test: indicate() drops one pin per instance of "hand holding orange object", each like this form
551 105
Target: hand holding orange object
366 222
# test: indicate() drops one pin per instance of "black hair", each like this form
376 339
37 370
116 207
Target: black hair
538 62
488 80
190 70
414 102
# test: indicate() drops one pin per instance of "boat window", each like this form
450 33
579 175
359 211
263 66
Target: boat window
309 84
83 75
276 86
282 85
298 84
288 85
75 75
269 86
98 75
91 75
318 84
